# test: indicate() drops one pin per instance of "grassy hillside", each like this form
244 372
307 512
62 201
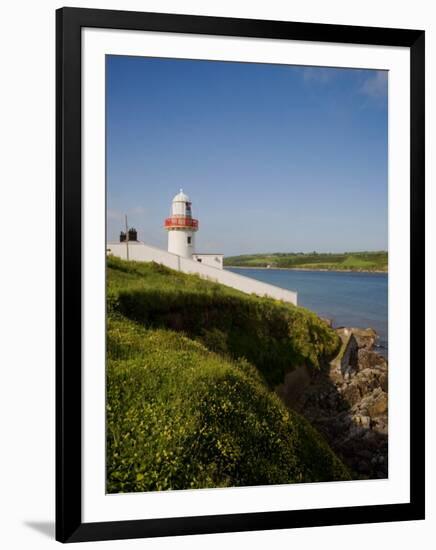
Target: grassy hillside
348 261
272 335
190 406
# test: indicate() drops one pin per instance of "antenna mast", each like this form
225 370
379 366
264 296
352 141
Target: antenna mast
127 238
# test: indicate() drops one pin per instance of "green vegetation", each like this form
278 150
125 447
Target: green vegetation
190 369
347 261
272 335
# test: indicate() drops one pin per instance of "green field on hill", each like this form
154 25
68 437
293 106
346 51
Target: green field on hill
347 261
191 367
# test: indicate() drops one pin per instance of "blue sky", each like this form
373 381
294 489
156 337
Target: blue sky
275 158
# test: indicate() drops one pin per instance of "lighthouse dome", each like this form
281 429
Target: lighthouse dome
181 197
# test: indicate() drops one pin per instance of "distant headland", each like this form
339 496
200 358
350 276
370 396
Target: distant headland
375 262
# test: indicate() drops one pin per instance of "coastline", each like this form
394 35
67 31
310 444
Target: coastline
308 269
347 402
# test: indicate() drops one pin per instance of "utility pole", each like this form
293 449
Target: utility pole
127 238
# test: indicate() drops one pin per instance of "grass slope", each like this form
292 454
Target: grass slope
348 261
272 335
186 409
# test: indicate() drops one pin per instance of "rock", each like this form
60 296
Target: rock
365 338
378 405
347 401
346 361
364 453
370 439
380 425
367 380
369 359
363 466
365 421
351 394
384 382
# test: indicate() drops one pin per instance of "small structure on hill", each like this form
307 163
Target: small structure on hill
132 235
181 227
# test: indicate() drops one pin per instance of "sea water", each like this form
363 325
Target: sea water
348 299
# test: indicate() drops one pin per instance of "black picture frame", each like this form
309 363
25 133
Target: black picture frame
69 525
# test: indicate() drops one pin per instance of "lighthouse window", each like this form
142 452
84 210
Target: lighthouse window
189 240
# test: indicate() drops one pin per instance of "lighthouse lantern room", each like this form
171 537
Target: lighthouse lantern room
181 227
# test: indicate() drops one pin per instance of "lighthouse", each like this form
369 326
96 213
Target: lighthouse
181 227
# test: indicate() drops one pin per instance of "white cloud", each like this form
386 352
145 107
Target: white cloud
117 215
317 74
139 210
376 86
114 215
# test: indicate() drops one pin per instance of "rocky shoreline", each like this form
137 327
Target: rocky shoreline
347 401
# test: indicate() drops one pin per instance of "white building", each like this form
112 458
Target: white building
181 227
181 254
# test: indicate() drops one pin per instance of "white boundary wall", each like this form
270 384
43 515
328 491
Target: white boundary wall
141 252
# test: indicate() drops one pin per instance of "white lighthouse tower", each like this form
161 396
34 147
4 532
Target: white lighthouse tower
181 227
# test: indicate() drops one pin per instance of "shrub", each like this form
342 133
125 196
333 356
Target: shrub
180 416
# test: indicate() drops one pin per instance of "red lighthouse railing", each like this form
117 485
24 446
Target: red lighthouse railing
181 222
